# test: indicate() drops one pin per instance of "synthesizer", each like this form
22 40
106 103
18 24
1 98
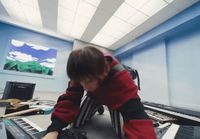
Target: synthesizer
173 123
21 128
182 116
182 132
2 130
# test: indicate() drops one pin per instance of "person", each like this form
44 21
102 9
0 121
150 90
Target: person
90 69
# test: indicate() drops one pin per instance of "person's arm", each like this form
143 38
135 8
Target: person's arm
51 135
67 108
137 124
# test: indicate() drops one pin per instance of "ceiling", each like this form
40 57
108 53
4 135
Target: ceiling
107 23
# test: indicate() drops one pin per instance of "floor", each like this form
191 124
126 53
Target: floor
99 127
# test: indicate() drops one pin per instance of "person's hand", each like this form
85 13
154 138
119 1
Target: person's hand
51 135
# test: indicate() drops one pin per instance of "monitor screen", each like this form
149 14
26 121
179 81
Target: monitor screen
19 90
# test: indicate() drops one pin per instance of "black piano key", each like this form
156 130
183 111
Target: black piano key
32 131
28 127
25 124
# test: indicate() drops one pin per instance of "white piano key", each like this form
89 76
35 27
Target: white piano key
171 132
32 124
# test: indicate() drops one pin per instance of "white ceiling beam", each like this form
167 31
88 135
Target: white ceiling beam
103 13
49 13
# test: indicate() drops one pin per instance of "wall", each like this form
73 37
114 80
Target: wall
183 53
56 83
167 58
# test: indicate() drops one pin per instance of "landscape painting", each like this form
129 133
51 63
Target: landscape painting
31 58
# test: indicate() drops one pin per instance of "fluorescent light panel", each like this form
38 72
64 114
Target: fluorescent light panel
153 6
64 27
129 15
69 4
66 14
137 19
30 3
86 9
114 29
32 15
24 11
104 40
93 2
137 4
78 14
125 11
14 11
77 31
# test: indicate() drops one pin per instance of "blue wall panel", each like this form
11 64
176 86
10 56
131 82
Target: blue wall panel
183 54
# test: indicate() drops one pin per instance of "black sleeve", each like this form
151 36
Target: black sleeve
133 109
56 125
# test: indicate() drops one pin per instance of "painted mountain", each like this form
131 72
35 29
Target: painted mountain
27 57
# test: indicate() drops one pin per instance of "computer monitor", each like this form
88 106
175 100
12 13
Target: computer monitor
19 90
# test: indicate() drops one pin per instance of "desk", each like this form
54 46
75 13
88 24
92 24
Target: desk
98 128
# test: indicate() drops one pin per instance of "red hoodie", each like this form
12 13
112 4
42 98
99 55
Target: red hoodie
117 92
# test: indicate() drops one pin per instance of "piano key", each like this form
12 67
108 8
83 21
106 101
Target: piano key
33 124
171 132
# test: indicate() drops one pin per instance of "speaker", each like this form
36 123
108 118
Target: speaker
19 90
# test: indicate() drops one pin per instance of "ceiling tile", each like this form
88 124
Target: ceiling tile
64 27
8 5
32 15
103 40
117 34
81 20
153 6
136 3
137 19
30 3
114 22
69 4
77 31
93 2
14 12
86 9
125 11
126 27
66 14
17 15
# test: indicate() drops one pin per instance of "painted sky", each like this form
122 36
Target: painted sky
25 52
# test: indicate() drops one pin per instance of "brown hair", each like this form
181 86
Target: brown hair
85 62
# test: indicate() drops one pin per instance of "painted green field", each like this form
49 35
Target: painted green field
31 67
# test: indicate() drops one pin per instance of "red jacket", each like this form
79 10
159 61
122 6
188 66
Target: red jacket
114 93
